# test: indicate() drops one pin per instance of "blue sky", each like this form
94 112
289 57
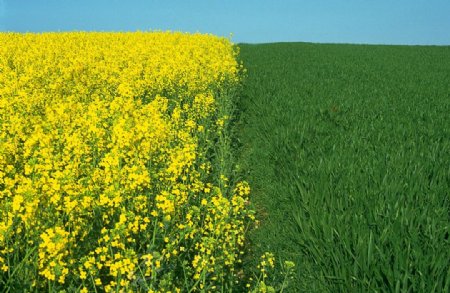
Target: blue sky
254 21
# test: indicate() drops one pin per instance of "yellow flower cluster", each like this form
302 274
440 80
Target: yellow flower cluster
108 178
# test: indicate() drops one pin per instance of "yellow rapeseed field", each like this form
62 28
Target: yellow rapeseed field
109 175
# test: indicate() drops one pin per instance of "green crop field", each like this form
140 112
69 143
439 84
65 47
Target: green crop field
348 153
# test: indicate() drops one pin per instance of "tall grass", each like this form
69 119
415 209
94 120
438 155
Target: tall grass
348 150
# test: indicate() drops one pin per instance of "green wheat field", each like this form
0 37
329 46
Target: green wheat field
347 148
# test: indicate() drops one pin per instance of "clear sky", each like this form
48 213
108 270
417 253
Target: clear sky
252 21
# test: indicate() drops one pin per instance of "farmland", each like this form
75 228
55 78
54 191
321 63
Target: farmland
347 149
158 162
114 166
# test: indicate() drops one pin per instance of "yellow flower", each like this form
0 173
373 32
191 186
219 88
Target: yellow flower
106 147
17 203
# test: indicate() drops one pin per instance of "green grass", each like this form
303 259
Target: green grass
348 153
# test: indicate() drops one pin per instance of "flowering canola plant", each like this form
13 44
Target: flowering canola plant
109 175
